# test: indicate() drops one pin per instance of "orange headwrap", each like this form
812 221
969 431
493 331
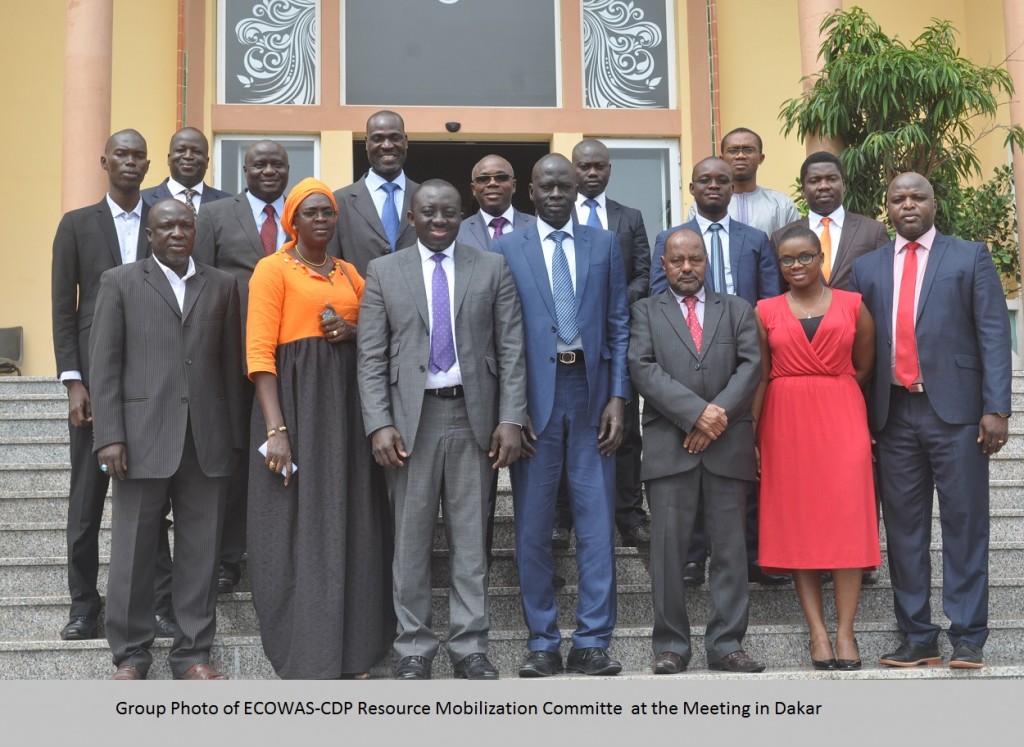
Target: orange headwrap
302 190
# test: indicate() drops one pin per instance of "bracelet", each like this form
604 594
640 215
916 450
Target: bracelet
278 429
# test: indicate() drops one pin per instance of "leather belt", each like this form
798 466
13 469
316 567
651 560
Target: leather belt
570 357
912 389
447 392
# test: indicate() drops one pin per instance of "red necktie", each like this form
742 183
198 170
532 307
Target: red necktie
692 322
907 369
268 231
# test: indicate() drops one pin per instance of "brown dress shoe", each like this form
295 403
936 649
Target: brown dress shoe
737 661
128 672
669 662
202 672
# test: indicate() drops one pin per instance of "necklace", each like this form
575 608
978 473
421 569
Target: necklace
311 264
807 314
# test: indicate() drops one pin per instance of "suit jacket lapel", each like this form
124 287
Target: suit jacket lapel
936 253
155 277
412 269
464 265
106 222
193 287
362 203
583 252
712 316
614 212
853 224
676 320
243 211
479 228
142 245
535 259
885 284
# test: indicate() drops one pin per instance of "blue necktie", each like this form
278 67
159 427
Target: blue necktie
593 219
442 344
389 215
565 297
717 260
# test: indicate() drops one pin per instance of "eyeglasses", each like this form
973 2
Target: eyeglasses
805 259
314 213
747 151
485 179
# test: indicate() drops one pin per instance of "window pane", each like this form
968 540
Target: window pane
641 178
268 51
450 53
626 61
303 159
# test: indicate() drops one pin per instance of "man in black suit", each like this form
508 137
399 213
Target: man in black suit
166 363
493 182
594 208
844 236
373 212
89 241
187 159
233 235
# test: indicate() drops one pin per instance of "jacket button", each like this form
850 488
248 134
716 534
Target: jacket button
555 330
184 400
696 367
423 368
551 360
188 361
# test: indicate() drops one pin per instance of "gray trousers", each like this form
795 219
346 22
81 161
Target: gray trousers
674 502
137 509
447 467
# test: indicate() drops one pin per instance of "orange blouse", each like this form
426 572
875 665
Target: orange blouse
285 301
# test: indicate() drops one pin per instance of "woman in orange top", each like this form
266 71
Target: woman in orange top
317 518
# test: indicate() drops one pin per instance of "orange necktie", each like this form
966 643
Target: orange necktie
826 248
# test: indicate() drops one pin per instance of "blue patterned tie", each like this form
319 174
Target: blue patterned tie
565 296
717 260
389 215
593 220
442 344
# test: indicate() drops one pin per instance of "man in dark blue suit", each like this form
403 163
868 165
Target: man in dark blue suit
938 407
748 270
573 293
188 157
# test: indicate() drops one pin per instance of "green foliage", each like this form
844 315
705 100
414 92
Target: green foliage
898 107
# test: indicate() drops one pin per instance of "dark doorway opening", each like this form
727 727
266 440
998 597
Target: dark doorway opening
454 161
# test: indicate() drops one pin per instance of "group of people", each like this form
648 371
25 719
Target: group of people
309 379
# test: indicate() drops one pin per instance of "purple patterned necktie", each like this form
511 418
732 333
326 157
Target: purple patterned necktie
442 344
498 224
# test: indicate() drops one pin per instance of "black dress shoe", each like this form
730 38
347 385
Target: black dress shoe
826 665
226 580
912 655
79 628
669 662
413 668
636 536
541 664
756 575
557 582
738 662
966 655
693 575
593 661
869 578
560 538
165 627
475 667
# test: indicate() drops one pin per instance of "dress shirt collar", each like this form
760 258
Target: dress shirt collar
546 230
177 188
837 216
705 223
172 275
601 200
117 211
375 180
257 206
508 215
426 255
702 297
926 240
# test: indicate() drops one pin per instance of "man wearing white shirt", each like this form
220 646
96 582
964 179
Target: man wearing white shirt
188 158
493 183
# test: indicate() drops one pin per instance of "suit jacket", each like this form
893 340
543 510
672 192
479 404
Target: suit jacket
227 238
156 368
677 383
85 246
962 330
394 342
860 235
153 195
360 234
474 232
755 272
628 226
601 312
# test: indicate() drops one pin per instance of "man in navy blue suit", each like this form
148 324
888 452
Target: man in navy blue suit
938 407
188 158
748 269
573 293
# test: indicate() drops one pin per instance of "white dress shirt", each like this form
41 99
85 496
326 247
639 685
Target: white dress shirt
705 231
583 211
835 229
569 247
177 284
375 181
259 216
453 376
702 298
128 225
508 215
177 190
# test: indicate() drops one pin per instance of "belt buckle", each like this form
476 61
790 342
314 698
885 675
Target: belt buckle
568 357
916 388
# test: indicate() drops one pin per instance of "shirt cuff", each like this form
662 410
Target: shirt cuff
70 376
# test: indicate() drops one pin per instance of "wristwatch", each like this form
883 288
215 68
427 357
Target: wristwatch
1004 415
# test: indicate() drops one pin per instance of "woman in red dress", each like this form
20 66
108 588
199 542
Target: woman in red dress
817 503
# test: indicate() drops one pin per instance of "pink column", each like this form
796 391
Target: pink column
1013 31
812 13
89 28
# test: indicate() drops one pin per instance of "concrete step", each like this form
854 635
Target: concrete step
1005 494
30 477
782 647
33 403
34 449
50 425
14 386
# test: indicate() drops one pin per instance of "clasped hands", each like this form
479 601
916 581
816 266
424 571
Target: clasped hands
709 426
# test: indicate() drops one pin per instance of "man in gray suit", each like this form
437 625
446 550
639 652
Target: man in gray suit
698 372
188 157
493 183
442 377
166 366
233 235
844 236
371 212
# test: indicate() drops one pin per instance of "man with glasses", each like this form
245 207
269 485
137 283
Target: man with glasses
233 235
760 207
493 183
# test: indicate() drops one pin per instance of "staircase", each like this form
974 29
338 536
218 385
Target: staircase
34 474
